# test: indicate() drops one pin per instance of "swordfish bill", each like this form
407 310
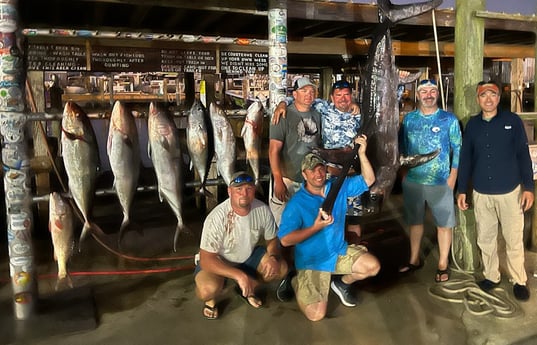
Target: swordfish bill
380 106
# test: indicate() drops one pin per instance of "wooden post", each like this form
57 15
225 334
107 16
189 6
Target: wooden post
469 44
42 178
517 84
326 80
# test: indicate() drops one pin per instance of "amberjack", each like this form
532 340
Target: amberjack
123 148
224 143
81 161
251 133
199 141
165 153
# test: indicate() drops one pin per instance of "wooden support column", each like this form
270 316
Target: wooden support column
40 162
326 80
517 84
469 44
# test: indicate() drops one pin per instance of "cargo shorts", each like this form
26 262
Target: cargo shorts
313 286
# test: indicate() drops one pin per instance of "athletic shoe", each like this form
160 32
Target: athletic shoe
343 291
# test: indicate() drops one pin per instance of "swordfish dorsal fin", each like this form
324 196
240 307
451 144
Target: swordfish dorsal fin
396 13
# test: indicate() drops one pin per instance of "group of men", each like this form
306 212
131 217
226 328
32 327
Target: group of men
491 160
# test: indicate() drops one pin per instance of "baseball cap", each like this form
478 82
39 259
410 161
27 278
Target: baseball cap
239 178
427 83
488 86
311 160
341 84
302 82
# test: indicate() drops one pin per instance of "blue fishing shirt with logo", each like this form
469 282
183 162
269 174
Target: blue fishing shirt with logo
422 134
320 251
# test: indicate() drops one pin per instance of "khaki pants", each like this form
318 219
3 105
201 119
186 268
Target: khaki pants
504 211
276 205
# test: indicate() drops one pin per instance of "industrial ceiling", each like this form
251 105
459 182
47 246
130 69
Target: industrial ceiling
248 19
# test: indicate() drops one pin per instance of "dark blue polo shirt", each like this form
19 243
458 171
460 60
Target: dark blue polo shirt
494 155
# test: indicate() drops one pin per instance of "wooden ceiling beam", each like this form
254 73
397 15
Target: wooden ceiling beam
337 11
331 46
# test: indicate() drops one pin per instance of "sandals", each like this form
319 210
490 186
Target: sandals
410 267
441 273
210 313
252 300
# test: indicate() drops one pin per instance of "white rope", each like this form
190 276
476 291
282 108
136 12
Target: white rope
476 301
438 61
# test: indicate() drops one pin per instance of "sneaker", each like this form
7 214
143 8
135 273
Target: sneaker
343 291
521 292
487 285
285 291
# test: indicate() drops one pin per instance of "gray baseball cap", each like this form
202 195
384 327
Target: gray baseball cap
303 82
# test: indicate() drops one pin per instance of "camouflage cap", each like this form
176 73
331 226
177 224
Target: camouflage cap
311 160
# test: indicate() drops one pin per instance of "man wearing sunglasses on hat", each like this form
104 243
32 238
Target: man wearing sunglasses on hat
230 247
290 139
496 168
430 185
320 247
340 121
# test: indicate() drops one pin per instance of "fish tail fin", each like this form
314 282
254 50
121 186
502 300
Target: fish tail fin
259 187
127 225
86 229
180 229
63 280
203 191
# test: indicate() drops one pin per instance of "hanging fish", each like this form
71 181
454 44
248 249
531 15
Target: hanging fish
199 141
224 143
252 132
165 153
123 149
60 225
80 159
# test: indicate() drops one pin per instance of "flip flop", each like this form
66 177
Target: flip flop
439 274
212 312
252 300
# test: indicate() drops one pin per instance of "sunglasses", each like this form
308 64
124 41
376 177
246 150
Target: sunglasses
427 81
341 84
242 178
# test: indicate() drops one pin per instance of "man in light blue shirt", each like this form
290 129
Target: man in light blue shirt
427 129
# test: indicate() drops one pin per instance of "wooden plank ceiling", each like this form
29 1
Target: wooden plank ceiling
247 18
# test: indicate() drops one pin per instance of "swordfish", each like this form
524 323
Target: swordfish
380 106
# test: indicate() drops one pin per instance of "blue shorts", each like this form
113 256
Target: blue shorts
439 199
249 266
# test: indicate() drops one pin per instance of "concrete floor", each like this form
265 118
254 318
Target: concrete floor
161 308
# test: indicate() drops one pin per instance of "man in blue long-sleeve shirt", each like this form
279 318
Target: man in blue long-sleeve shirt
495 159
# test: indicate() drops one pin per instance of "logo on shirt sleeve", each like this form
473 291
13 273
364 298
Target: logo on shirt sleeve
508 127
